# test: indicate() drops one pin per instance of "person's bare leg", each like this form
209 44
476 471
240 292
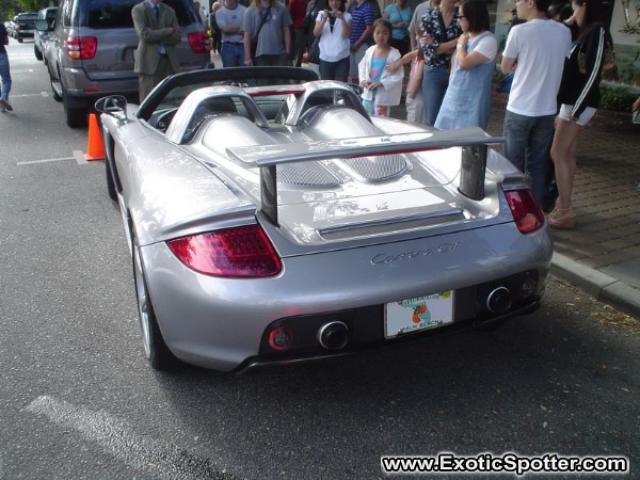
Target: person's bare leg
564 160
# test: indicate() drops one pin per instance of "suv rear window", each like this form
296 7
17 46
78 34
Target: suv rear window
117 13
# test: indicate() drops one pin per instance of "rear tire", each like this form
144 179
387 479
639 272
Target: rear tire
155 349
20 40
37 52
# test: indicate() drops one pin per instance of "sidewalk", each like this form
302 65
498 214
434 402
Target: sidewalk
602 255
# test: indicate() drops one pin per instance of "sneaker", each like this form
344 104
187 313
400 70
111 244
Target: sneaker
5 105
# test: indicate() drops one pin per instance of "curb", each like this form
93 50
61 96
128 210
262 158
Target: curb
602 286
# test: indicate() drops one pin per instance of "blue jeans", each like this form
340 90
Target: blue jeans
335 70
232 54
527 147
434 85
5 75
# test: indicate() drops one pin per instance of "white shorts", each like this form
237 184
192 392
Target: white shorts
584 118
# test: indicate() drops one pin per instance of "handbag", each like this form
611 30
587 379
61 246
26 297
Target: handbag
313 54
415 78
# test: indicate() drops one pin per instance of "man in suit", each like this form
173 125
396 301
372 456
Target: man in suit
155 58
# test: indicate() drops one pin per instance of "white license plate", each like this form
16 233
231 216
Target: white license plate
419 313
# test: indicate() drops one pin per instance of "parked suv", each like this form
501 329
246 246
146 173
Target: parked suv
25 26
90 51
49 15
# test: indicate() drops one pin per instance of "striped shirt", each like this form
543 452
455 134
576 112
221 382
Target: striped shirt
362 16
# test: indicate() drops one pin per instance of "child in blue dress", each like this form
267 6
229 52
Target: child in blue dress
381 88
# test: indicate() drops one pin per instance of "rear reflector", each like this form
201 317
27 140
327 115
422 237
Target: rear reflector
198 41
525 209
239 252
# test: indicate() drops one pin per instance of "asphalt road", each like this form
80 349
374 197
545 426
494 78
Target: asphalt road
78 401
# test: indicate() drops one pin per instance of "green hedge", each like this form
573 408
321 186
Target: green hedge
616 99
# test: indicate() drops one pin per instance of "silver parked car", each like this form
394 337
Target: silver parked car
90 51
271 220
40 40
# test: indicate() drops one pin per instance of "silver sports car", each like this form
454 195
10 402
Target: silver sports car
271 220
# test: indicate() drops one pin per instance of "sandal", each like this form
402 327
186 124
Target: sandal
562 218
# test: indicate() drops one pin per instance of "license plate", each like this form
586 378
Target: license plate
419 313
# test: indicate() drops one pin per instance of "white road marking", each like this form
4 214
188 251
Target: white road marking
22 95
79 156
46 160
114 436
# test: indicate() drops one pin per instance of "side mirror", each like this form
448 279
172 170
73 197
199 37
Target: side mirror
113 105
42 25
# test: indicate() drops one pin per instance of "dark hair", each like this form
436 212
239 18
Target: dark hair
476 13
559 11
383 22
596 11
542 5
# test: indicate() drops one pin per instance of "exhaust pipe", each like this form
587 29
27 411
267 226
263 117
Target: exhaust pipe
499 300
333 335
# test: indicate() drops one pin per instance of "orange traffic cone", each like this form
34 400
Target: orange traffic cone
95 145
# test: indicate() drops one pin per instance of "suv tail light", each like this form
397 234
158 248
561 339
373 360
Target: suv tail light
81 48
525 209
239 252
199 42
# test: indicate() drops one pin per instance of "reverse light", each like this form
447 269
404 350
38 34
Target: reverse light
80 47
198 41
239 252
280 338
525 209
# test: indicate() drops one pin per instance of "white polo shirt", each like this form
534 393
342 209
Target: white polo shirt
540 48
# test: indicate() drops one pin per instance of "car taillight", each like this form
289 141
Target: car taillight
240 252
525 209
199 42
81 48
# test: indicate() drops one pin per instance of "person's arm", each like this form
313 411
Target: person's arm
510 53
247 27
406 58
636 105
247 49
363 38
174 37
147 34
447 47
317 29
412 29
594 53
467 61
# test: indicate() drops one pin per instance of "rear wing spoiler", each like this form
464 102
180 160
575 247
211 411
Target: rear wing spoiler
473 141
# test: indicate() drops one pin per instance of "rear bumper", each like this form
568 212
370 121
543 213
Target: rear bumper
266 361
24 33
221 323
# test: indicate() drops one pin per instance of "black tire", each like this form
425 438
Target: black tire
155 349
111 186
20 40
76 117
37 52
